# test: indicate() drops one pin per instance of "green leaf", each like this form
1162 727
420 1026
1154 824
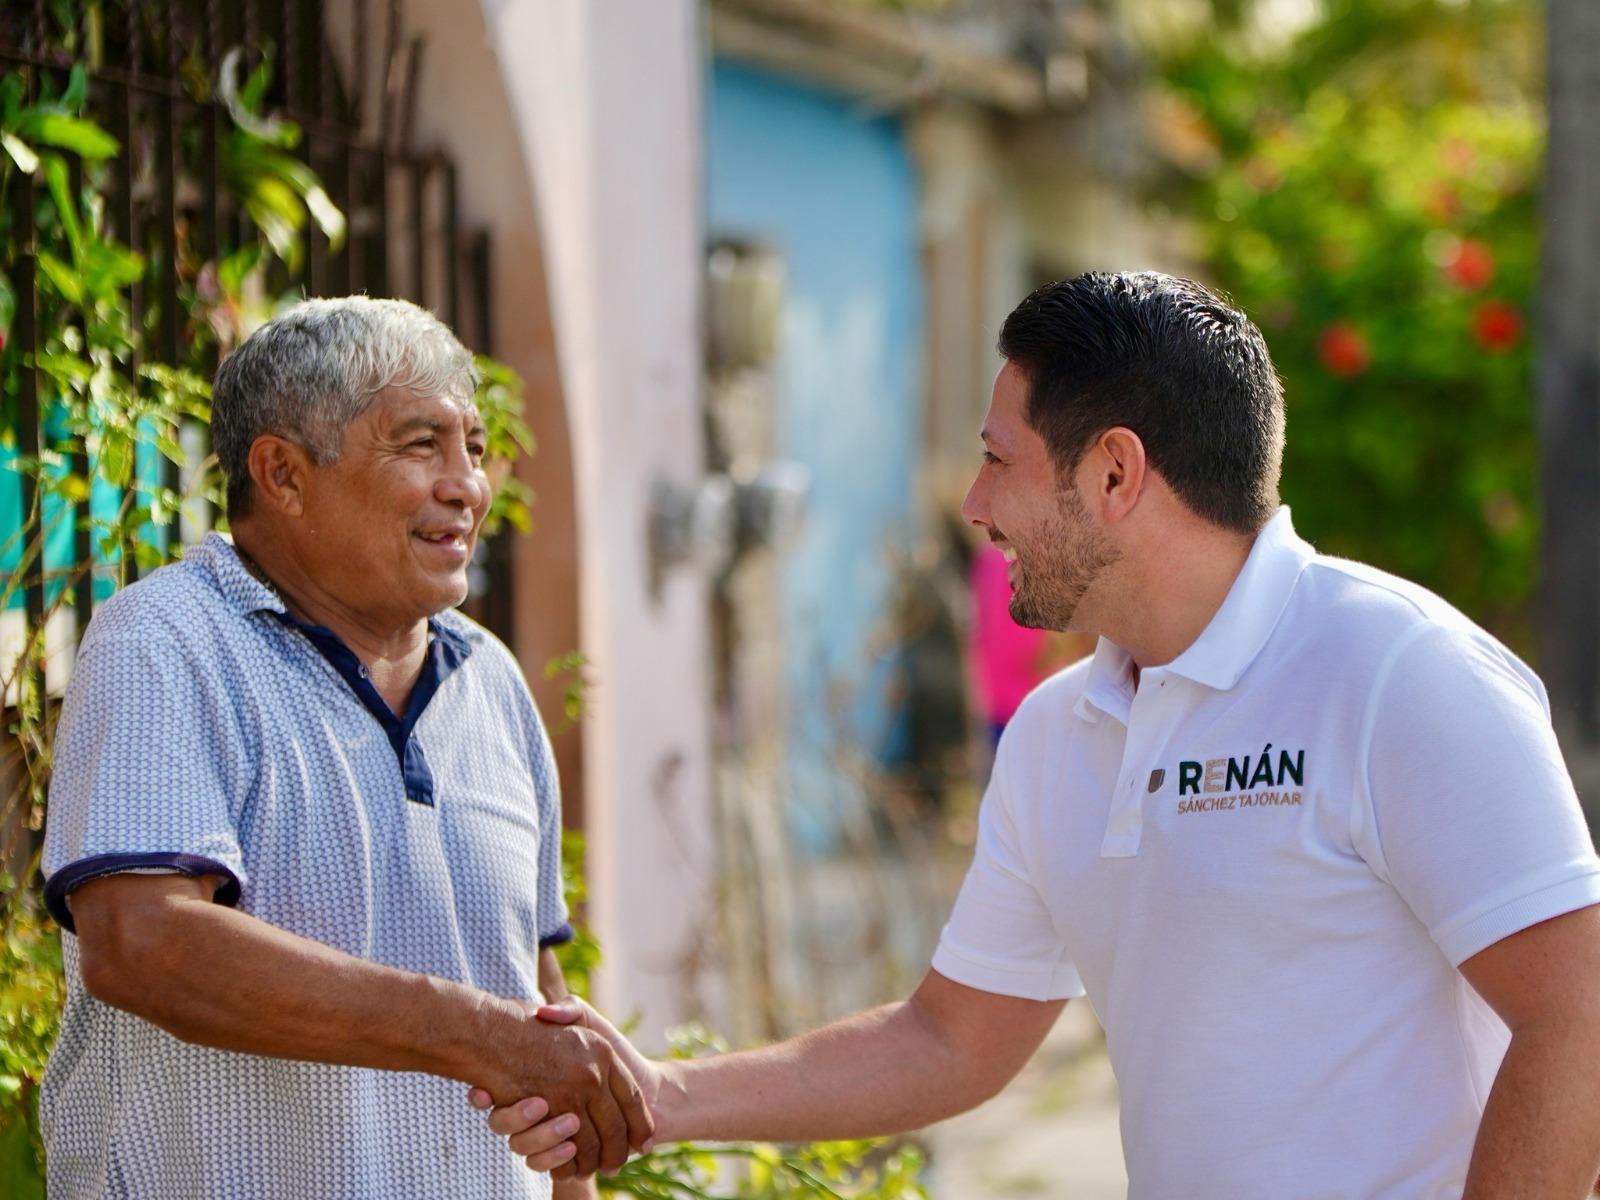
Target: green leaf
77 134
73 488
77 89
255 88
109 267
169 446
232 270
63 277
116 458
21 153
20 1174
66 369
11 95
326 214
244 104
55 174
275 181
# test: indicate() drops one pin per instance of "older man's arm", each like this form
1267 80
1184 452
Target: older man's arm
158 947
1540 1134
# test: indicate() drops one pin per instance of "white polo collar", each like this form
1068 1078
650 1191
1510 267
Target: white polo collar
1233 638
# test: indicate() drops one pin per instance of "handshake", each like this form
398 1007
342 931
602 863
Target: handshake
570 1093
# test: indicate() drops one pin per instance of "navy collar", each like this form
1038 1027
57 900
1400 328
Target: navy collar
447 650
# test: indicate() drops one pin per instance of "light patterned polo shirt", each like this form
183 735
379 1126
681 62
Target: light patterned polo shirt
205 731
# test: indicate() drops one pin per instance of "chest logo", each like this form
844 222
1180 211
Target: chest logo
1157 777
1254 781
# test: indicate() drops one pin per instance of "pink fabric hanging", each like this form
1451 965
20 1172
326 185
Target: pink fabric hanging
1006 656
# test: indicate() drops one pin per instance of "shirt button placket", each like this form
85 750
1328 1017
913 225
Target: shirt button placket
1126 820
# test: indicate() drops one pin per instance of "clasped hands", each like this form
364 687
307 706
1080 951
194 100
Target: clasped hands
596 1105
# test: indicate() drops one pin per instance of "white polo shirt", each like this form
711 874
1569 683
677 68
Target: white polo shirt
1264 866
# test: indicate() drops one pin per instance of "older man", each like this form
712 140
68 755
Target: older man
1299 829
304 823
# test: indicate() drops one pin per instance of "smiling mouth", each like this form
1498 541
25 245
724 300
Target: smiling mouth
450 539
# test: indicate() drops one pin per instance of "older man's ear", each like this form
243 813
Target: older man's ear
278 468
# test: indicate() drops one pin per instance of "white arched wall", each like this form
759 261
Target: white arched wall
606 99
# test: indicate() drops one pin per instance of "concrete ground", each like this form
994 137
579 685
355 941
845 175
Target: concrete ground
1051 1135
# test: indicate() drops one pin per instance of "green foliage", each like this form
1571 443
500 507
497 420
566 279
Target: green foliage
1367 189
105 412
499 401
859 1170
100 406
278 190
581 956
569 668
30 998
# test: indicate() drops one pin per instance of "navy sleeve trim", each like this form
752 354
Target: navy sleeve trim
74 875
559 937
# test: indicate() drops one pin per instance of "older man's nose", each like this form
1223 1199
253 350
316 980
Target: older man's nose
463 483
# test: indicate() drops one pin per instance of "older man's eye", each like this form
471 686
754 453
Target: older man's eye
423 443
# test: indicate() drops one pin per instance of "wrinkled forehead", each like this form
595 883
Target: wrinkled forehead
397 406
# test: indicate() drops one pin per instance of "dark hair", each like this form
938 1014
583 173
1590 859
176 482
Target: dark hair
1170 360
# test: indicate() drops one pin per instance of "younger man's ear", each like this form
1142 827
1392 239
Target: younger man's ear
1121 471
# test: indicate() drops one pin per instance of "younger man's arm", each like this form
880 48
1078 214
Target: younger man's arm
899 1067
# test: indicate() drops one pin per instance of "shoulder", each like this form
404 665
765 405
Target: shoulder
1409 642
175 607
489 662
485 651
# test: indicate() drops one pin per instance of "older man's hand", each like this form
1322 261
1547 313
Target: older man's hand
539 1137
575 1070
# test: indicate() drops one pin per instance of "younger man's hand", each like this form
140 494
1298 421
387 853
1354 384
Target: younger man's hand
541 1139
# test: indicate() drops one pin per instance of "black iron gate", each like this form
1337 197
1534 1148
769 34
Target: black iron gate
155 72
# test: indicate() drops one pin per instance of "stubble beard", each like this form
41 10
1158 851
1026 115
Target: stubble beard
1061 565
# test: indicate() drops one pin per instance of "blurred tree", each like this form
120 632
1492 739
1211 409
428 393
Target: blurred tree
1569 385
1363 180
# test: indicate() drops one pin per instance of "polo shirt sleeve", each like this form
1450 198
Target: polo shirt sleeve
1000 937
149 763
1470 813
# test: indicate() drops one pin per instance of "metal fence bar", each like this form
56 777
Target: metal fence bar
452 251
169 324
25 335
377 274
358 65
289 54
482 292
167 177
344 184
82 536
419 234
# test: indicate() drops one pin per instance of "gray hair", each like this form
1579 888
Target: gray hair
314 368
